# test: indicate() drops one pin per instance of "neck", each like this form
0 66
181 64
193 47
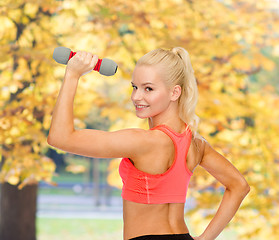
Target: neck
170 118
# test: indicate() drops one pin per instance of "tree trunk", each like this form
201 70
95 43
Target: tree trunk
18 212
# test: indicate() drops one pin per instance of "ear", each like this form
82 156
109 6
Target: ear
176 92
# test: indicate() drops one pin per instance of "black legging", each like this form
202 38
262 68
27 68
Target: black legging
186 236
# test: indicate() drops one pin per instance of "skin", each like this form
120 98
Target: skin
150 151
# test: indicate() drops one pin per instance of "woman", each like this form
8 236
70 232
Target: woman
157 163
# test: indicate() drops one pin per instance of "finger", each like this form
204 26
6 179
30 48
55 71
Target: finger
89 55
94 61
88 58
85 56
75 58
81 55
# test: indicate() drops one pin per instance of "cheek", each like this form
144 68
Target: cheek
160 99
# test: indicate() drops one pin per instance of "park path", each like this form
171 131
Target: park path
63 206
82 206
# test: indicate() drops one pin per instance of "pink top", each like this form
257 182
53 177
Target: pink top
168 187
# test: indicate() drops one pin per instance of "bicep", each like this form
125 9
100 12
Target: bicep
221 168
102 144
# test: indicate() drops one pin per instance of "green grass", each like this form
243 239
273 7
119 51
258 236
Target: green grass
66 177
89 229
56 191
73 229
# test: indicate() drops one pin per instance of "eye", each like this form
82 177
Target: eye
148 89
134 87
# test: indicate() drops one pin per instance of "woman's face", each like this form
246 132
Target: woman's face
150 94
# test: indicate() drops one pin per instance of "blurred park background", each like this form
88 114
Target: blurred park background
234 48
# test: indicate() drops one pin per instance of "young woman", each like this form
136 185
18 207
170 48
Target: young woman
157 163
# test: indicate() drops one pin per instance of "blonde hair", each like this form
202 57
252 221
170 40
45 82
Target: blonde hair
177 70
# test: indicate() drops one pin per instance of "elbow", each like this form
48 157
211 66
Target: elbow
57 137
50 140
246 189
53 141
240 188
60 141
244 186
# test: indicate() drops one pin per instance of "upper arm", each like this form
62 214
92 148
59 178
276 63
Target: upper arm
195 153
221 168
101 144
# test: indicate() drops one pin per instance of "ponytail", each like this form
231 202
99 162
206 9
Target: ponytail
189 92
178 71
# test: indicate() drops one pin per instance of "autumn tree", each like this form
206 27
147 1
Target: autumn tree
27 41
30 81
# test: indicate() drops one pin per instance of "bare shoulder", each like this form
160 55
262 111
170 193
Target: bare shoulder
158 155
196 152
141 139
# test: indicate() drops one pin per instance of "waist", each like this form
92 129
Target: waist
145 219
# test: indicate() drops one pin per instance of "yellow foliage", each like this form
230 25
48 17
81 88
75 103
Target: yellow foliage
14 180
75 168
7 31
241 61
113 176
30 9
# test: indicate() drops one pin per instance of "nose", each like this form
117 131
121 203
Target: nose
136 95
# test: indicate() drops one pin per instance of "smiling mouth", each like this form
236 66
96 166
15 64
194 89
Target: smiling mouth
141 106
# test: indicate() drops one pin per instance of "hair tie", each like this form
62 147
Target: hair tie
186 58
175 51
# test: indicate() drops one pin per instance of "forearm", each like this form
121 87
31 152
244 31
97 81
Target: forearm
227 209
62 123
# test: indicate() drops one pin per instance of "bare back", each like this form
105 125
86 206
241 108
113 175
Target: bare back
142 219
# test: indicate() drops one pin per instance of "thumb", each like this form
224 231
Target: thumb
92 65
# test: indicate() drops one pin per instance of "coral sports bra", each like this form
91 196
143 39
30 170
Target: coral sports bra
168 187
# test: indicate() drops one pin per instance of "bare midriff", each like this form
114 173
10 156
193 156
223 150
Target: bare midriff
146 219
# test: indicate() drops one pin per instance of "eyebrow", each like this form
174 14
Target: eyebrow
144 83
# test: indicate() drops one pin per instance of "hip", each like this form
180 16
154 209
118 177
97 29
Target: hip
185 236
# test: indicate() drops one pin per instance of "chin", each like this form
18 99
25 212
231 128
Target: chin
142 117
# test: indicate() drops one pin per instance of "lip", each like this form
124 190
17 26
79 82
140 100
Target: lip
141 107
